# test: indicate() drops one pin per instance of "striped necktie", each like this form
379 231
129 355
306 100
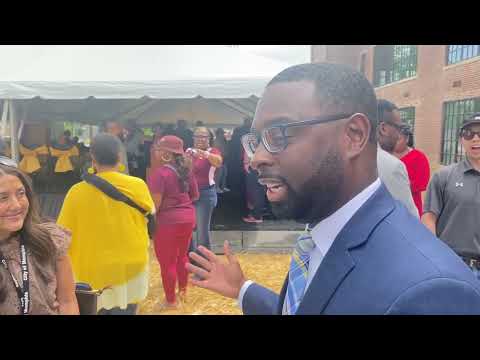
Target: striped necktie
298 273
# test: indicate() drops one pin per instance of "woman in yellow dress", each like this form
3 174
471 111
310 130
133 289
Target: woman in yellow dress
109 238
64 150
30 162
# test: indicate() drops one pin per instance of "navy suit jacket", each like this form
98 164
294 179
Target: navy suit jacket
384 261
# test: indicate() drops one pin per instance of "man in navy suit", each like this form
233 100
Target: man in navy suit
313 143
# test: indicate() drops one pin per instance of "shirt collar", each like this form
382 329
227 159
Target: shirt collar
325 232
466 166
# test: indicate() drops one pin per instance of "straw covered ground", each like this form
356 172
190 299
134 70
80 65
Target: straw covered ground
268 269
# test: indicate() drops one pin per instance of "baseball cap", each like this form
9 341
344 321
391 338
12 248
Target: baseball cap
170 143
474 119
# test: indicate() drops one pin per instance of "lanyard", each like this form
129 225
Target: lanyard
23 292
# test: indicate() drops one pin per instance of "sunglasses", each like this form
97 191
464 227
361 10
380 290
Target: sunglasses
5 161
469 134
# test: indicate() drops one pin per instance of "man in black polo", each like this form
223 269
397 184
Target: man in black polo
452 203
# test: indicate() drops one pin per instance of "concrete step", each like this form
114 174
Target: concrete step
260 241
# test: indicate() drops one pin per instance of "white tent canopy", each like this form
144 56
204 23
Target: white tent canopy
131 71
100 82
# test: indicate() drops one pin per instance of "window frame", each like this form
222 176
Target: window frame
458 53
402 63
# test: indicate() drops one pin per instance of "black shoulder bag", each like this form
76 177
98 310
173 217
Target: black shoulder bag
116 194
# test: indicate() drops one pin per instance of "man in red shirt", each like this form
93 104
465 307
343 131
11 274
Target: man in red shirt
417 164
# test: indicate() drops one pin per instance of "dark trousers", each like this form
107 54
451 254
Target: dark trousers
256 194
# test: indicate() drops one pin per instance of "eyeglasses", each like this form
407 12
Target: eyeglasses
5 161
201 137
469 134
275 138
395 125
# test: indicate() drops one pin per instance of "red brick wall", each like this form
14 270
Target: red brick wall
341 54
427 92
424 92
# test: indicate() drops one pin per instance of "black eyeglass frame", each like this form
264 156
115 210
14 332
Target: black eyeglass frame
261 138
399 127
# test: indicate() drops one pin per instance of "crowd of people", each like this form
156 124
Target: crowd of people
233 175
324 152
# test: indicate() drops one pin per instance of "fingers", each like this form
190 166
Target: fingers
228 252
197 271
204 263
208 254
199 283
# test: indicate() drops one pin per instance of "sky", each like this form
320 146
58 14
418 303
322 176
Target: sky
291 54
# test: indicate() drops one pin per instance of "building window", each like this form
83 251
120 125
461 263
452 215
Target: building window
393 63
457 53
454 114
407 115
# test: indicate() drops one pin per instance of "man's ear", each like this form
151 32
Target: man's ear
357 134
381 128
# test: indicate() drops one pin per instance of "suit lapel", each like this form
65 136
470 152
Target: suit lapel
338 262
283 293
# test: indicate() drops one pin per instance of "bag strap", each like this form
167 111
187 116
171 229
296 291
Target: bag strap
111 191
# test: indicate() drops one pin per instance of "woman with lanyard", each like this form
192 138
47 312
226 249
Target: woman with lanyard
206 160
35 272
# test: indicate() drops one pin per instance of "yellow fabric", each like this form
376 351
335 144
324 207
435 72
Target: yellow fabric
109 238
30 162
63 162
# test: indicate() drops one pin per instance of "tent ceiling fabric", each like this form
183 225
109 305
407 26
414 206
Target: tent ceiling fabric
210 111
219 112
86 111
131 72
213 88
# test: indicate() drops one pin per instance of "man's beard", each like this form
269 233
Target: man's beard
389 144
318 196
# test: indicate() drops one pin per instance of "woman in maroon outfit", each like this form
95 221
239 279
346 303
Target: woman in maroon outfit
173 189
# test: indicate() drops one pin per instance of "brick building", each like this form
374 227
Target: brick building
435 87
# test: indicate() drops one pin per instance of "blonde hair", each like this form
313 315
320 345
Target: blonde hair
202 129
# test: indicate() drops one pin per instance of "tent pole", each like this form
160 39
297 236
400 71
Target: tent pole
13 131
4 118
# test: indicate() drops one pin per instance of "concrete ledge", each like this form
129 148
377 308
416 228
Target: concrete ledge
261 241
270 239
217 239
